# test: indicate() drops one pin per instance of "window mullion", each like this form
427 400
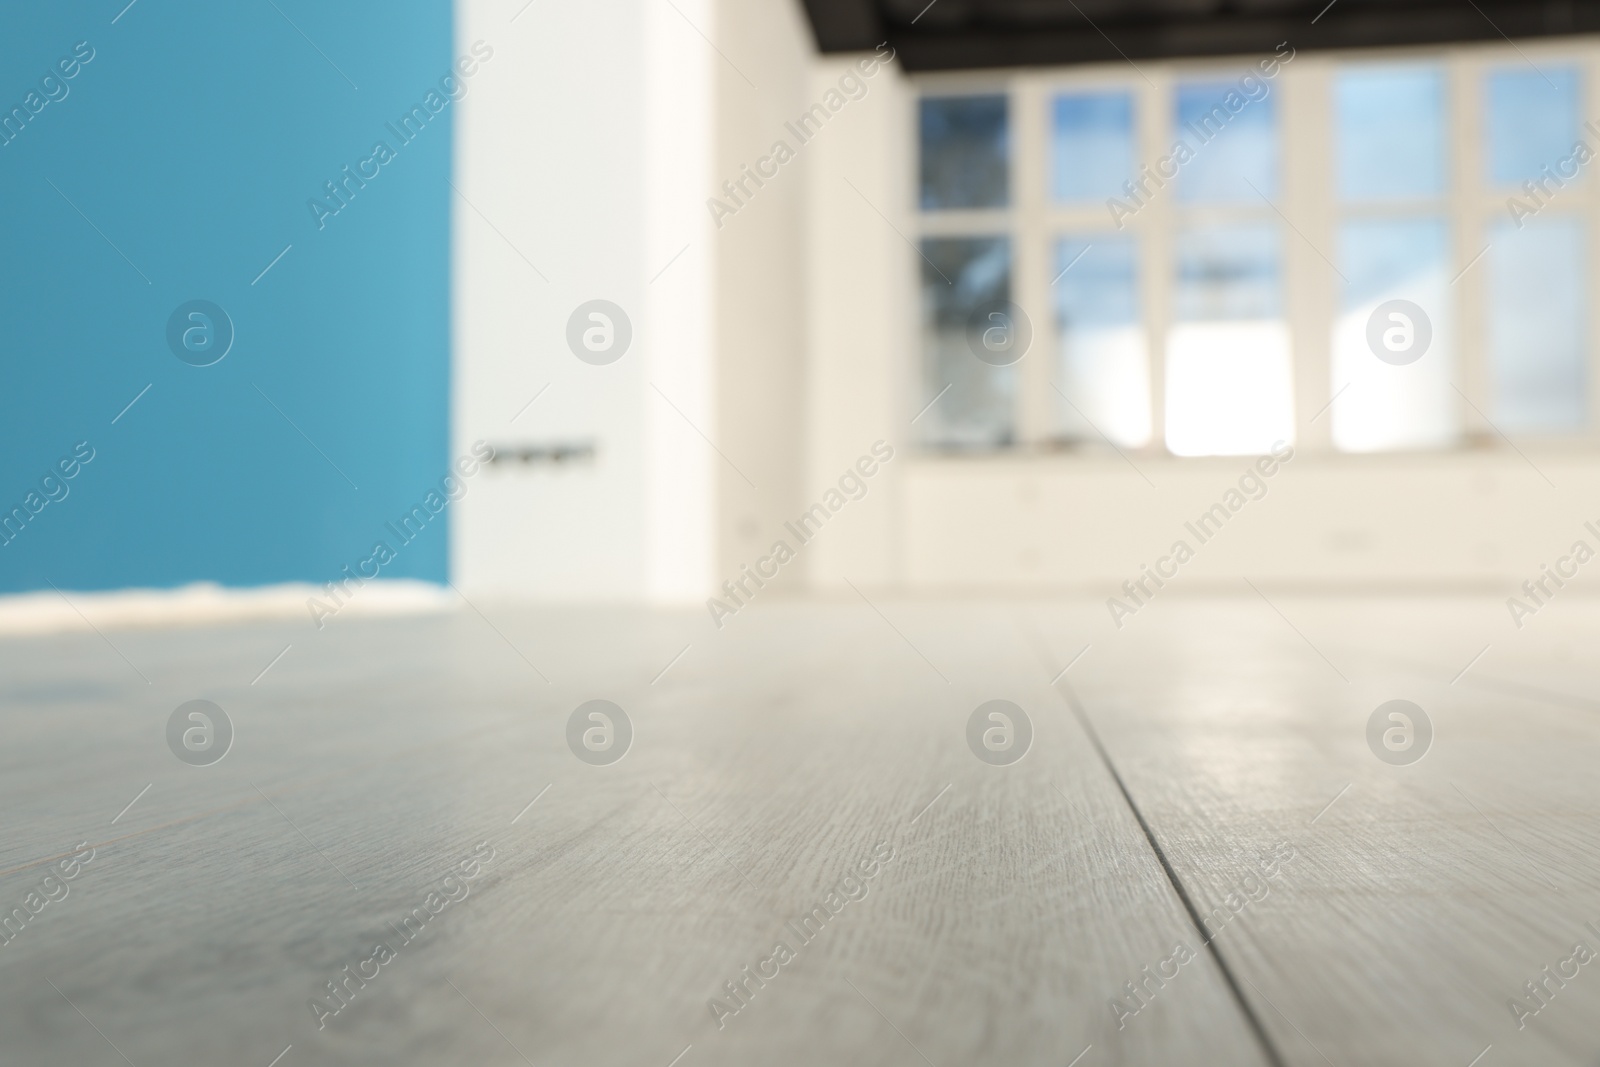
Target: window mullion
1153 226
1311 282
1030 244
1469 224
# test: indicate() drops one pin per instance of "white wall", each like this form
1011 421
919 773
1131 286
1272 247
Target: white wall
679 264
861 280
761 287
1343 523
585 162
786 342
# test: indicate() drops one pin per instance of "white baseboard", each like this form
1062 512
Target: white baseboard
205 603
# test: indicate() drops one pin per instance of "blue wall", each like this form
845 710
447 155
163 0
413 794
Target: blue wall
194 139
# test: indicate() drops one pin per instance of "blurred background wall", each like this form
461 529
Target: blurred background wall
689 448
776 329
175 165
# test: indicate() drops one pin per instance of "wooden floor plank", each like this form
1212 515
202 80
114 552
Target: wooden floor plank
772 759
1420 898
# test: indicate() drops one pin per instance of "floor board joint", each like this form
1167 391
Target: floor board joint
1268 1049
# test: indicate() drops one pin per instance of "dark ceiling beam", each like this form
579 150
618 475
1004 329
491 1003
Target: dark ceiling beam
1061 36
845 25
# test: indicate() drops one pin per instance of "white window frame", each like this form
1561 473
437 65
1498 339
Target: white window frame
1307 200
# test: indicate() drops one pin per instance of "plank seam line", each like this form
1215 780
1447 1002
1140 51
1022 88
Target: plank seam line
1267 1047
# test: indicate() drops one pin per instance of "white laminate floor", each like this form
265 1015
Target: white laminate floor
802 859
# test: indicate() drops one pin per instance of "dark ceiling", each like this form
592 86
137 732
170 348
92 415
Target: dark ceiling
958 34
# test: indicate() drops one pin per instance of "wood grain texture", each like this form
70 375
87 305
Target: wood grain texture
768 762
1424 898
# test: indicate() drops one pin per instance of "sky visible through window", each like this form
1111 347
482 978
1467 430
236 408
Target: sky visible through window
1217 330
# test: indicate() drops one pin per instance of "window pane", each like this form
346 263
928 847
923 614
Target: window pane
1532 120
1228 273
1234 137
1102 367
1390 123
1092 144
1384 406
965 152
961 278
1228 380
1537 278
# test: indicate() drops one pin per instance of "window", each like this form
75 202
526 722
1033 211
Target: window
1234 137
1393 244
1092 145
1389 129
1537 324
1371 256
1103 371
1228 356
965 152
1100 377
1228 389
1387 406
1537 318
1532 121
964 280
